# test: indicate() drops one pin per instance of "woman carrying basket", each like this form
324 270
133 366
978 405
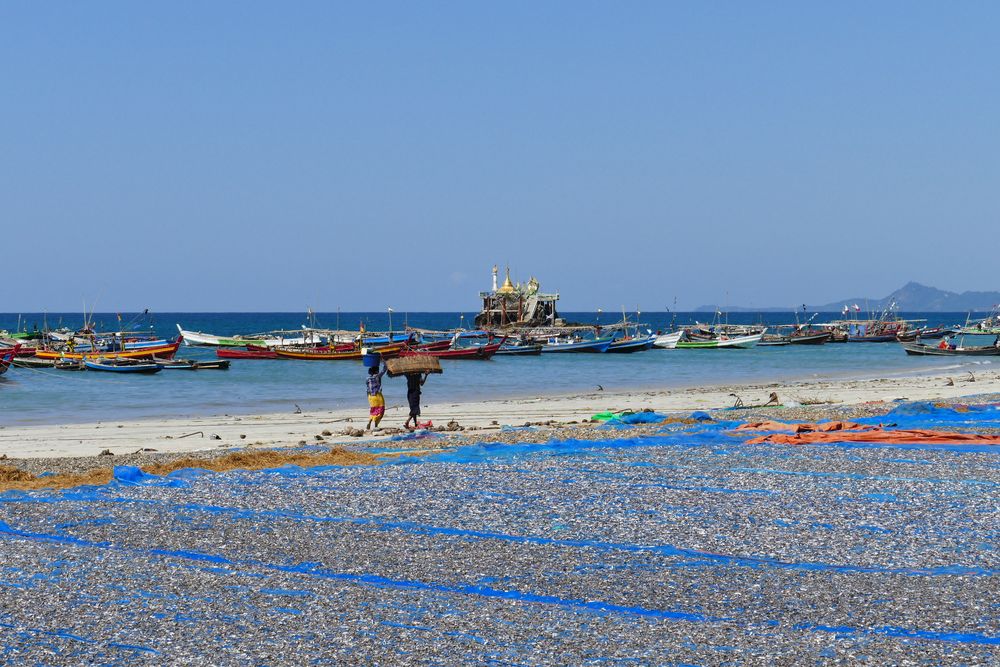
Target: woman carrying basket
376 402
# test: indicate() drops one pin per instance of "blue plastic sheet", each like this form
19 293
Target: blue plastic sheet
925 414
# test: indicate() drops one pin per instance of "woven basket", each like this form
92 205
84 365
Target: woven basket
415 364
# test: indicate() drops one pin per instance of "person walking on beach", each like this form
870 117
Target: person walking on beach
414 381
376 402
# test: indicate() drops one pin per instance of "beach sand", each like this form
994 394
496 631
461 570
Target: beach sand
175 435
661 543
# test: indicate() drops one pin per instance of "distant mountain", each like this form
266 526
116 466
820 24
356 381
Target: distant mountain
911 297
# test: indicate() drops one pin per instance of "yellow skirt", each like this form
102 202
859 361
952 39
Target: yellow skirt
377 405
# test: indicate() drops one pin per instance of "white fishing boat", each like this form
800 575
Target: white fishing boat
722 341
668 341
270 340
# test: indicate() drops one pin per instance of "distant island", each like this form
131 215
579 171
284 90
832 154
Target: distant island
911 297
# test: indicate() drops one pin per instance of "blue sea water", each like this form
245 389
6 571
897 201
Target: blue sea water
259 386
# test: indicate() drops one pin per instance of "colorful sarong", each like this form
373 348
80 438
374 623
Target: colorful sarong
377 405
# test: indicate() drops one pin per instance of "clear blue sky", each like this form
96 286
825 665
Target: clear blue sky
273 156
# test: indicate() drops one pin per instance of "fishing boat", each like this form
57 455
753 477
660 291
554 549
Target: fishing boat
233 353
774 340
331 354
163 351
723 341
520 349
809 337
271 339
668 341
119 365
7 356
481 352
989 325
917 348
631 344
926 333
193 364
557 344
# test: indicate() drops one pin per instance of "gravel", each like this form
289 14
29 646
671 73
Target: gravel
639 547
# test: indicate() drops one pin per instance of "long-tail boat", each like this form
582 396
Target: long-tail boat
233 353
946 350
474 352
119 365
723 341
163 351
557 344
331 354
7 355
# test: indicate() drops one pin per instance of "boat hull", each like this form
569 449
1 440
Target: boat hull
736 342
600 345
139 367
668 341
481 352
7 356
820 338
163 352
229 353
919 349
387 351
633 345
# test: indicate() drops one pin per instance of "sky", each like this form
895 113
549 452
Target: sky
245 156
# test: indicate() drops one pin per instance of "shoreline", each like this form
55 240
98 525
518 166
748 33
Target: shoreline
229 432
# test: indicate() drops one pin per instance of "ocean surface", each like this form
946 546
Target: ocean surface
29 396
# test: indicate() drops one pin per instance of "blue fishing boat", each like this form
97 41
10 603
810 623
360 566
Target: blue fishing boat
632 344
557 344
122 365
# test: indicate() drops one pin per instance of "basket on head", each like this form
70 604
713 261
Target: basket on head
413 364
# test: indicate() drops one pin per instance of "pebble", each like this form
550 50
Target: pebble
663 548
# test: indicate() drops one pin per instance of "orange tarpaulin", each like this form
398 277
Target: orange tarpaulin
879 435
801 428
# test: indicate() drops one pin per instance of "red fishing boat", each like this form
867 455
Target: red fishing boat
476 352
7 355
431 347
257 353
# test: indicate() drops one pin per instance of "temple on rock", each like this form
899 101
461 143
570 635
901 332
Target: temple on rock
517 305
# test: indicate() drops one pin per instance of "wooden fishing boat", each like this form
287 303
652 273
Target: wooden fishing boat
435 345
960 351
557 345
668 341
118 365
774 340
327 354
269 340
193 364
232 353
807 337
162 352
520 349
7 356
475 352
925 333
631 344
32 362
734 342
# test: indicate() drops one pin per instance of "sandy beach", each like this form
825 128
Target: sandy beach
289 429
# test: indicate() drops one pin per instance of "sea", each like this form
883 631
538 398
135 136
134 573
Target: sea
32 396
